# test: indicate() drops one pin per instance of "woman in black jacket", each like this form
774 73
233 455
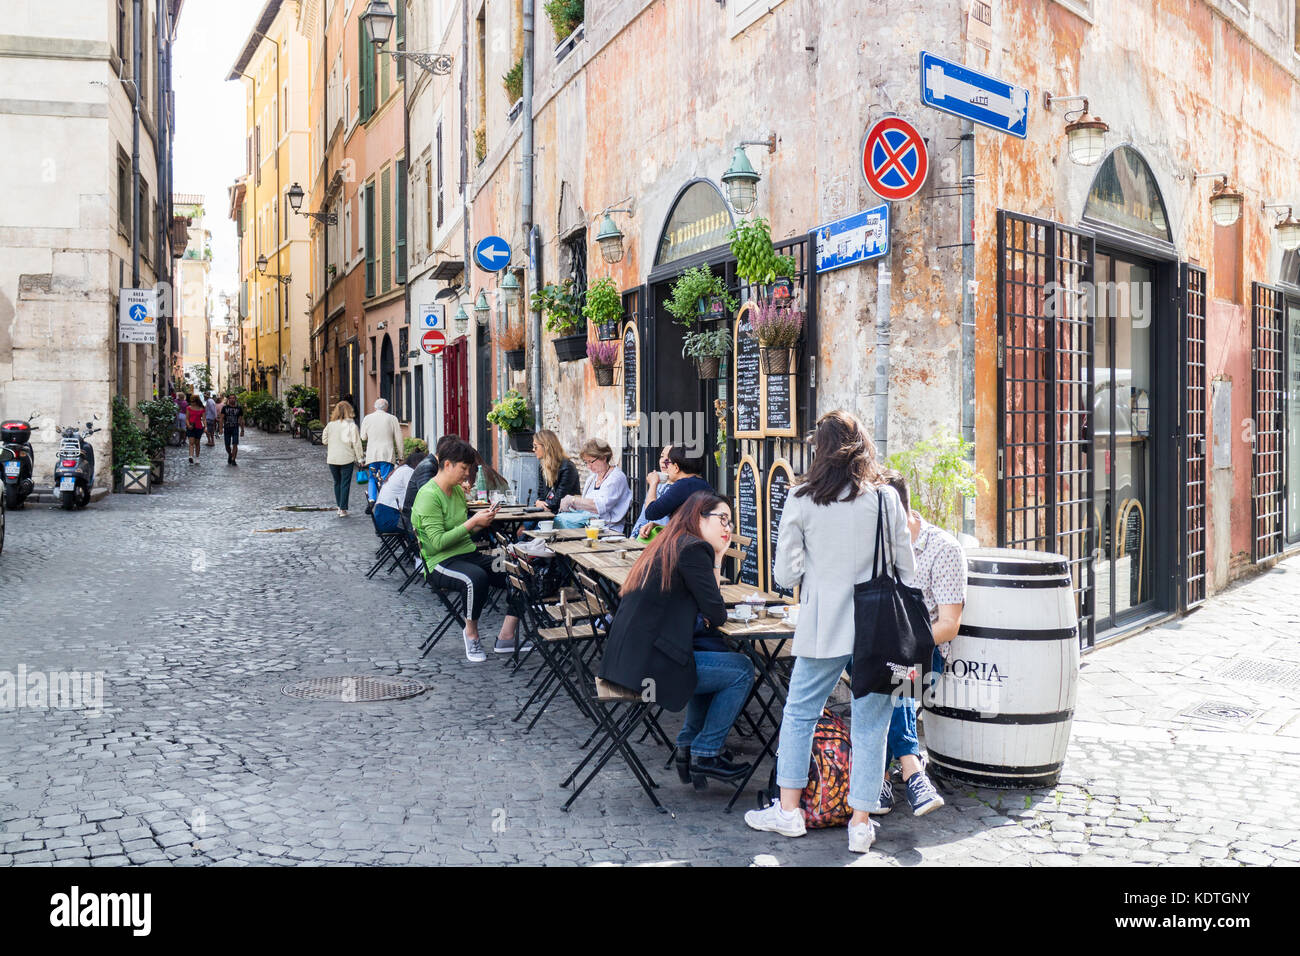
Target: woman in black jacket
559 473
661 639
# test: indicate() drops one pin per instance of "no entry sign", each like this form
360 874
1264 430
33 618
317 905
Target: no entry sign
433 341
894 159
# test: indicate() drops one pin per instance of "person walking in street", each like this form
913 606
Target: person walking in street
342 452
826 544
382 434
210 417
445 530
194 426
232 426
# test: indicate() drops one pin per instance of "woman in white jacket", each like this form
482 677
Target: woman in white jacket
342 452
825 545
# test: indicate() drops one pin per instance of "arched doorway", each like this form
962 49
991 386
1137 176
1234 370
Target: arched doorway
387 373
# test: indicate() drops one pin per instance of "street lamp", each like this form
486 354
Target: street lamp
740 179
261 267
1225 201
1086 134
481 309
462 319
1288 229
379 19
510 288
296 195
610 237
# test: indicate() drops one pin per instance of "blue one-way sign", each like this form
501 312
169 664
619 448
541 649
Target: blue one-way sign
492 254
972 95
858 238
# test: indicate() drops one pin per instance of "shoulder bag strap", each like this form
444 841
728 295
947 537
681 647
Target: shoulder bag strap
879 562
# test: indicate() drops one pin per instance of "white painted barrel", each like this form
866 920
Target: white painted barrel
1000 714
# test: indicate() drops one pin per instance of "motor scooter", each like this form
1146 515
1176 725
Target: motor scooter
16 436
74 469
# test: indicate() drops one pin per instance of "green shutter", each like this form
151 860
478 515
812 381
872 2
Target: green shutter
401 24
365 71
370 240
386 213
401 219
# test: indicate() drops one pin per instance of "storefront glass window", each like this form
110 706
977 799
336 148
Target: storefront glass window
1125 194
699 221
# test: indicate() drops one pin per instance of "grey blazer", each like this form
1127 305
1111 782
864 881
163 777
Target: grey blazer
825 550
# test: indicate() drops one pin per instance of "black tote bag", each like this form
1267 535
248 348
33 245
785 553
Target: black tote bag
892 638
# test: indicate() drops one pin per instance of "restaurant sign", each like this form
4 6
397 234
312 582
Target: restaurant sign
699 221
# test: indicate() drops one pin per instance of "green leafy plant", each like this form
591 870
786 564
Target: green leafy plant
411 445
160 422
480 141
130 444
603 354
776 327
315 424
203 378
511 413
514 81
714 343
561 306
692 286
303 397
756 260
938 477
604 304
565 15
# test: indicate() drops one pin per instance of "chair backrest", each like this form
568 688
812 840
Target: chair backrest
739 544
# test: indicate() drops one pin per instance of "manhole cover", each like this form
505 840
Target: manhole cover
1253 671
275 530
304 508
1223 712
355 689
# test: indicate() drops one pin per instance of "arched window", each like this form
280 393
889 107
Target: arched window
699 220
1124 194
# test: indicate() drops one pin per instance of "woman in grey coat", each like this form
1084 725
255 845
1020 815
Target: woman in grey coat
825 545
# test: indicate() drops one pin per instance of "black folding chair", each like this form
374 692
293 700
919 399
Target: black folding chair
454 602
615 730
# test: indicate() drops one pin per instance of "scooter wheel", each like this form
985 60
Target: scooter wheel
83 497
68 499
12 501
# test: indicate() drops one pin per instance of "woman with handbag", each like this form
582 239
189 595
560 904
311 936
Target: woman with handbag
655 645
342 443
825 546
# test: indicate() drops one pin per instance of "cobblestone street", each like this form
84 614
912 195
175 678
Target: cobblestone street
198 619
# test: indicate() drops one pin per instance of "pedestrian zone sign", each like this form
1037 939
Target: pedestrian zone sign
432 316
137 316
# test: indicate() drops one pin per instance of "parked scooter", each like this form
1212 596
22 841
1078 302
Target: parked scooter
16 437
74 471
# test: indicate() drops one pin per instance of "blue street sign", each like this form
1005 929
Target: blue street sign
492 254
858 238
972 95
138 313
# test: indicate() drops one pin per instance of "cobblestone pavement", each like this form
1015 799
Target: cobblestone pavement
198 617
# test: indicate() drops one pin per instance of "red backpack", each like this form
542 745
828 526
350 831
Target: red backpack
825 801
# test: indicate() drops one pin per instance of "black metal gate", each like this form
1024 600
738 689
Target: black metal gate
634 461
1045 396
1192 282
1266 411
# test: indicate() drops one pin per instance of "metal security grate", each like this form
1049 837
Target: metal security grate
1266 408
1250 670
355 690
1194 421
1223 712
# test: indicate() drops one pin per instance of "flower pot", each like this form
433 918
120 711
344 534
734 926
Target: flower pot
776 361
515 360
156 469
315 435
607 331
708 368
136 479
571 348
522 440
604 374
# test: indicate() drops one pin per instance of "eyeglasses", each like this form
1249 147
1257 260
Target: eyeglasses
664 462
721 516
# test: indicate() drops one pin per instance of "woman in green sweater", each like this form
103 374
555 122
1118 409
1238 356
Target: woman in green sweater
441 520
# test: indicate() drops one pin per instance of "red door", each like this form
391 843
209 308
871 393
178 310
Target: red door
455 388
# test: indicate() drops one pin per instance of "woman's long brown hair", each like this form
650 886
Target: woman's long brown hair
844 458
552 455
661 556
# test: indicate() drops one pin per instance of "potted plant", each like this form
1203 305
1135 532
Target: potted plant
777 330
512 415
315 429
514 84
566 16
604 308
707 349
131 469
604 356
412 445
160 422
511 342
756 260
699 295
563 312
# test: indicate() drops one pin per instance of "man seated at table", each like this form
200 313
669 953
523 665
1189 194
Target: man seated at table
685 477
663 485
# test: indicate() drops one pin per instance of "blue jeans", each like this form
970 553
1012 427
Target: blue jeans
383 469
387 520
722 684
903 740
342 483
810 685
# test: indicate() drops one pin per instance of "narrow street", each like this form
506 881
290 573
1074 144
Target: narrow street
198 615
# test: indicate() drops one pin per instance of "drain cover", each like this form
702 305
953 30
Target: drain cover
352 690
1223 712
275 530
1254 671
303 508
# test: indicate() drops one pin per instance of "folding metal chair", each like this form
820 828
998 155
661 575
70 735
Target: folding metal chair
454 602
615 730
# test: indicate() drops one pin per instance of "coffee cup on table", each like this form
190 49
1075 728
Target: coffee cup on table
546 526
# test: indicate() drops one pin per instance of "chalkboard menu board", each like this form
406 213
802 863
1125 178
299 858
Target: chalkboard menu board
779 480
778 406
631 378
747 383
749 521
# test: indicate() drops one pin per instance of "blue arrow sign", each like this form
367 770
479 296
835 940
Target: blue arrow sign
858 238
492 254
972 95
138 313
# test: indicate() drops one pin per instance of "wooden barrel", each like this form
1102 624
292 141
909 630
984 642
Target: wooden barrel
1000 714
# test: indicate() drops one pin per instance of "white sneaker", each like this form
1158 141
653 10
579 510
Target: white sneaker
861 836
773 818
474 650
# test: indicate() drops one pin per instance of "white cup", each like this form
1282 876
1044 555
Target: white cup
744 612
597 523
546 526
792 614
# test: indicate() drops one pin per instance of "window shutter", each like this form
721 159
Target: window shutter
401 219
370 240
401 24
386 224
365 61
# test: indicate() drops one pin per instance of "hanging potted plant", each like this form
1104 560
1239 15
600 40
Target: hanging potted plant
512 415
563 312
707 349
604 308
699 295
604 356
756 259
512 343
777 330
